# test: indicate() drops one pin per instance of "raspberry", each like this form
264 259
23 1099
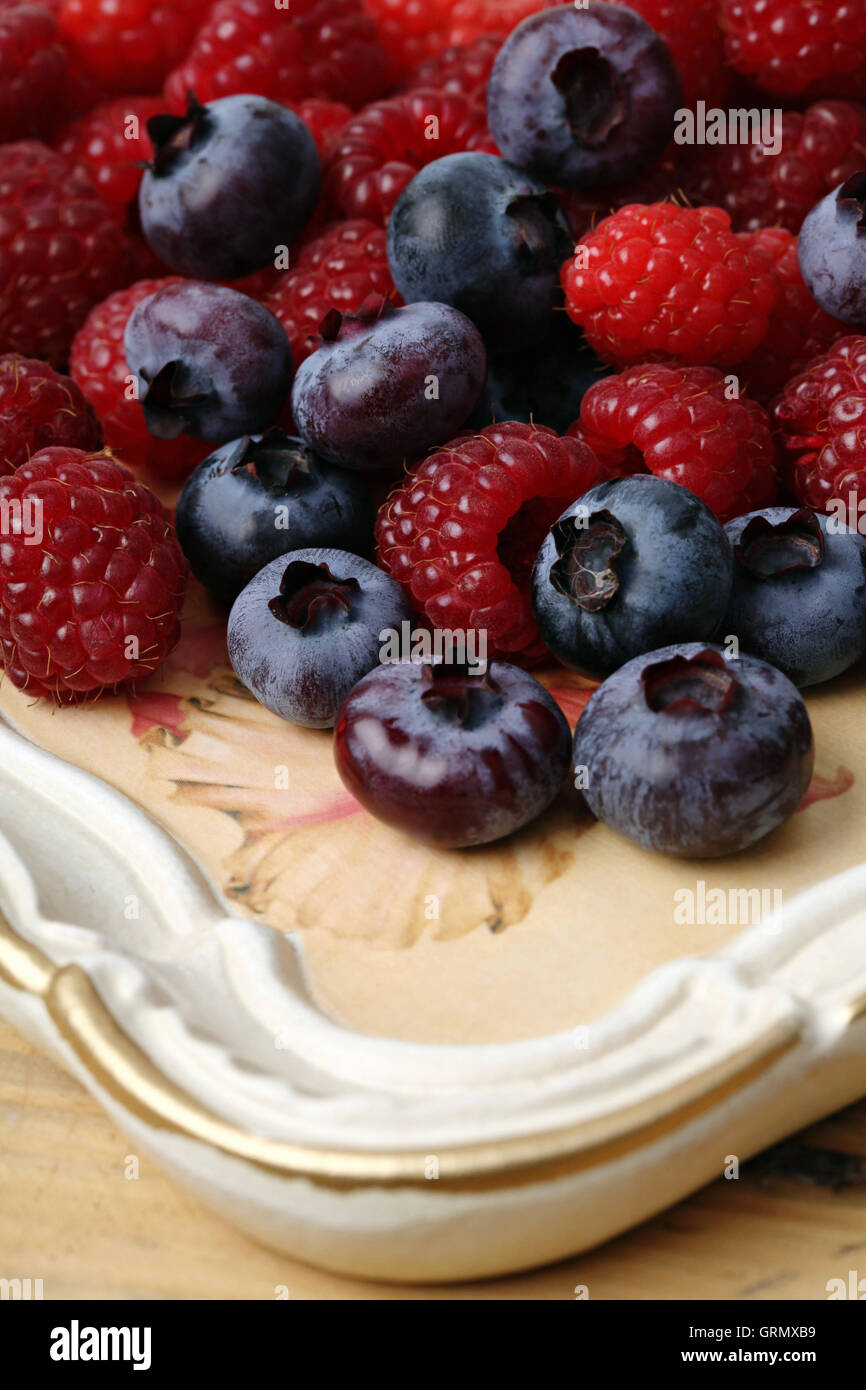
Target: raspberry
111 143
316 48
130 46
325 120
383 148
32 69
815 48
799 329
91 577
61 250
338 270
39 408
821 419
660 281
462 531
821 147
586 207
409 31
461 69
98 366
679 423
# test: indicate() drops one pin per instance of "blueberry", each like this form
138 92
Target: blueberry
474 231
544 387
307 628
832 251
453 758
583 97
799 594
255 499
634 564
229 184
687 751
387 384
209 362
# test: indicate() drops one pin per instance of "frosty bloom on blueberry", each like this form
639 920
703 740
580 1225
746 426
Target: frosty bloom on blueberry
581 97
228 185
799 593
632 565
209 361
306 629
692 753
832 250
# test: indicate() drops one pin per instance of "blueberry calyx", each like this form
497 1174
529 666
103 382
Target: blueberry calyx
456 696
336 325
851 201
595 99
766 549
277 461
172 136
584 570
699 684
533 214
311 598
175 398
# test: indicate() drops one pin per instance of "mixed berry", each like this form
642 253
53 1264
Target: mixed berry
430 327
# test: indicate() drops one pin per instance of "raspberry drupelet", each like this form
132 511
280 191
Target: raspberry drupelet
92 578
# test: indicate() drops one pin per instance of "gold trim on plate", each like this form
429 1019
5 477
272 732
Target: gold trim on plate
128 1075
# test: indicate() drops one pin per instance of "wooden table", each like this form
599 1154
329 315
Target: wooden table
794 1219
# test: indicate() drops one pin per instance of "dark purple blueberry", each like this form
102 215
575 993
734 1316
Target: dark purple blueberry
308 627
229 184
583 97
452 758
544 387
209 362
255 499
799 593
832 251
474 231
634 564
691 752
387 384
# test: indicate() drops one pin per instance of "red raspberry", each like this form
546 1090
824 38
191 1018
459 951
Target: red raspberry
814 47
131 45
660 281
61 250
461 69
111 143
821 418
98 366
338 270
383 148
32 69
821 147
91 576
679 423
316 48
38 408
462 531
799 329
409 31
585 208
325 120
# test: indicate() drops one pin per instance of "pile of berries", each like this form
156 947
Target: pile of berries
456 362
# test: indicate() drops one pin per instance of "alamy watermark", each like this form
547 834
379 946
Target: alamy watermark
22 516
732 907
739 126
443 646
